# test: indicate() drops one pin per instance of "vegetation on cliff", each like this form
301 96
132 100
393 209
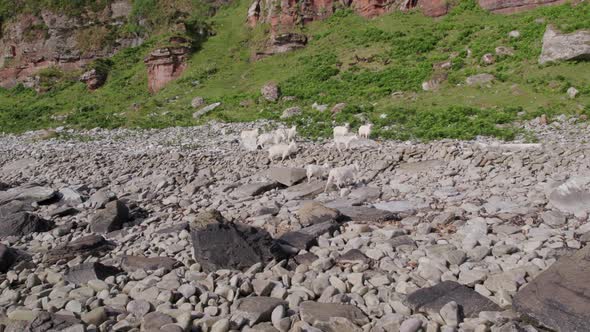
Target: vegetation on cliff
376 67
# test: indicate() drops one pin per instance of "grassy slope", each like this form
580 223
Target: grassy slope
403 48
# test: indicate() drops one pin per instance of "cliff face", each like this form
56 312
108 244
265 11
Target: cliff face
283 15
30 43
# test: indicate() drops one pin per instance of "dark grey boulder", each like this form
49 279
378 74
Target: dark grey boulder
23 223
432 299
7 258
46 322
366 214
81 274
111 218
29 192
303 239
314 212
90 245
558 297
219 244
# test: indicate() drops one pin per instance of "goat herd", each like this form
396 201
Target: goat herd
281 143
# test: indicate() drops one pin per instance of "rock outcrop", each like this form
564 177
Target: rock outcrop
166 64
514 6
30 43
284 15
570 46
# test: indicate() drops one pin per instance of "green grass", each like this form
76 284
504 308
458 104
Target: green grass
397 50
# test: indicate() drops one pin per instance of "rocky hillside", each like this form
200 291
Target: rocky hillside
398 64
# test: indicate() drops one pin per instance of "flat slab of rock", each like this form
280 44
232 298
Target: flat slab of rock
558 297
133 263
315 312
255 309
287 176
304 190
23 223
33 193
366 214
218 244
565 46
255 189
432 299
51 322
90 245
401 206
313 212
111 218
83 273
292 242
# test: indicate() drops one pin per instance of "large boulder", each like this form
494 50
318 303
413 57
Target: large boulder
313 212
7 258
23 223
27 193
90 245
286 175
565 46
572 196
558 297
81 274
432 299
255 309
133 263
219 244
111 218
270 91
314 312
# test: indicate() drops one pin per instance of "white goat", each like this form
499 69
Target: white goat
341 130
342 176
266 139
344 140
365 131
282 150
291 132
317 171
281 135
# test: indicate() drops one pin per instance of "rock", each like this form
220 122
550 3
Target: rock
255 189
450 314
218 244
155 320
197 102
139 308
111 218
23 223
291 112
315 312
45 321
573 92
166 64
338 108
292 242
93 79
514 34
90 245
365 214
287 176
402 206
553 218
432 299
318 107
270 92
205 110
411 325
514 6
434 83
27 193
304 190
338 324
560 47
83 273
480 79
556 298
7 258
504 50
282 43
132 263
255 309
313 212
353 256
572 196
488 59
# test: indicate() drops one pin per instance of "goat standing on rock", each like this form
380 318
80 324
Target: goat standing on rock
344 140
342 176
317 171
365 131
282 150
341 130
